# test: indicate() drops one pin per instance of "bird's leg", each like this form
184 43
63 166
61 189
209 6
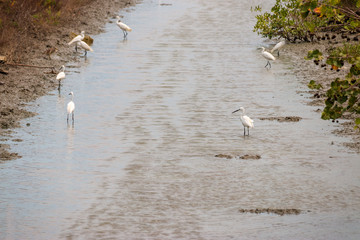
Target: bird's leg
278 53
67 118
248 131
76 47
244 131
267 64
73 117
85 53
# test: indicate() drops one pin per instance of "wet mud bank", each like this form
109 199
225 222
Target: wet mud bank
34 74
324 75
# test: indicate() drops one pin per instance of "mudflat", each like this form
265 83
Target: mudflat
40 52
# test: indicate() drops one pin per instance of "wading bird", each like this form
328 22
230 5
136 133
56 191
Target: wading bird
70 108
125 28
246 121
84 46
277 47
77 39
61 75
268 56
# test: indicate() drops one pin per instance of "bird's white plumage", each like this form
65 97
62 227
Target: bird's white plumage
85 46
78 38
278 46
70 107
268 56
122 25
245 120
125 28
61 75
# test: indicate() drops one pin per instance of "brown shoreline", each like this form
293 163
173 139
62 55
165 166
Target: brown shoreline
25 84
308 70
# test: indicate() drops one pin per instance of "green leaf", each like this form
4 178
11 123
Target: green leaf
313 85
355 70
357 121
315 54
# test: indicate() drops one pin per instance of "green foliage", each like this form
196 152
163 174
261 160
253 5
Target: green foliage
37 16
357 122
315 54
313 85
52 17
49 15
343 95
289 19
49 3
303 19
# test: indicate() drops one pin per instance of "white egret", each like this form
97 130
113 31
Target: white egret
246 121
61 75
84 46
78 38
268 56
70 108
278 46
125 28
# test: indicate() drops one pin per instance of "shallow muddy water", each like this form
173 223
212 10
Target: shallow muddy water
151 114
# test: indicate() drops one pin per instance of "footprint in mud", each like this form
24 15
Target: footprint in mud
277 211
282 119
246 156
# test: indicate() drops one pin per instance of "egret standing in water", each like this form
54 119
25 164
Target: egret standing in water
268 56
125 28
77 39
70 108
277 47
84 46
246 121
61 75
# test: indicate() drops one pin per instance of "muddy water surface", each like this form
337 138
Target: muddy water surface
152 112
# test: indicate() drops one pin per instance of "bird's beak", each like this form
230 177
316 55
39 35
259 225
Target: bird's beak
236 111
